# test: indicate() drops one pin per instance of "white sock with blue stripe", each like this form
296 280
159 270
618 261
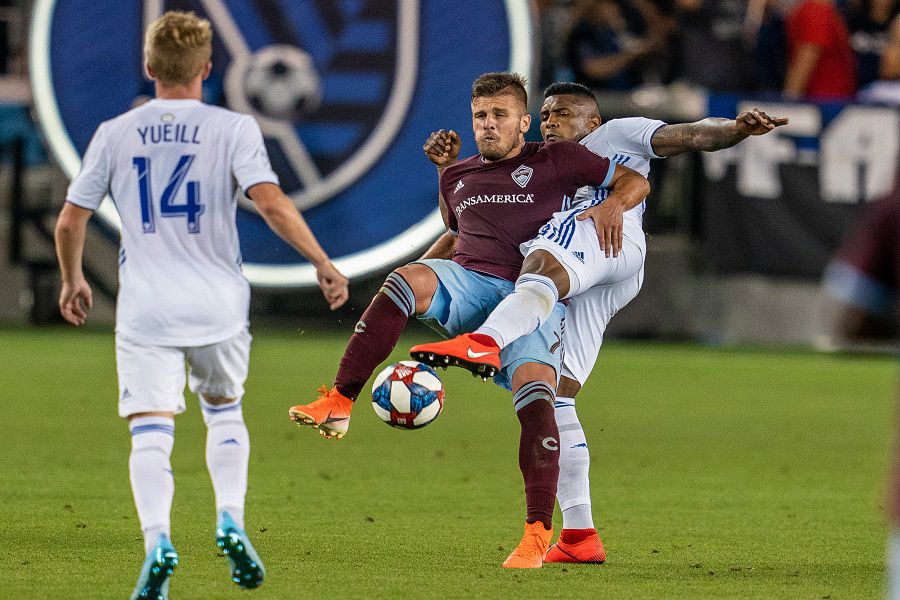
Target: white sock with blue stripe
573 491
150 471
523 311
227 456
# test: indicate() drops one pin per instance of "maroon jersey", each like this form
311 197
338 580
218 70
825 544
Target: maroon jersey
866 271
496 206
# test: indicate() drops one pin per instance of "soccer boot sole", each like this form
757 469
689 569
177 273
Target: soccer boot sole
443 361
246 568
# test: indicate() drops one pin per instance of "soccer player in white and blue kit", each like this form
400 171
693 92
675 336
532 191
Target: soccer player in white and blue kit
172 167
566 261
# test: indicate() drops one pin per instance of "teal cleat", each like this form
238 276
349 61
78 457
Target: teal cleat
153 582
247 569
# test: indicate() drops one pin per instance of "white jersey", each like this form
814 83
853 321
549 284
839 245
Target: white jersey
172 167
626 142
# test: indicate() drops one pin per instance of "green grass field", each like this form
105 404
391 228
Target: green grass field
715 473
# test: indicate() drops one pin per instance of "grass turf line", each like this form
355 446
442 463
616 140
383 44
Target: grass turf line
715 474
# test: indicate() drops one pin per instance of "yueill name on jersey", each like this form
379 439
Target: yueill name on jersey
169 132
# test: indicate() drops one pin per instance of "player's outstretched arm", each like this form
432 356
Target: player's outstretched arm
284 219
628 188
76 296
711 134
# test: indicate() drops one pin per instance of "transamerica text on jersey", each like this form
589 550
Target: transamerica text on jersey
493 199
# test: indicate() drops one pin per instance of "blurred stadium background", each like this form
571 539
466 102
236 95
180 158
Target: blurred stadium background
738 239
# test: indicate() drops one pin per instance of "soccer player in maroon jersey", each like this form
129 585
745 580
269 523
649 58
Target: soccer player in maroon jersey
865 277
570 112
493 201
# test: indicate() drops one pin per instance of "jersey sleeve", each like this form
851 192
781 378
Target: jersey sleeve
864 272
91 184
634 135
250 162
579 166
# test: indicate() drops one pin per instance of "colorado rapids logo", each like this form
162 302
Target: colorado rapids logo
522 175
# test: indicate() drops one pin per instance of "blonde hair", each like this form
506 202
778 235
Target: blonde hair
177 46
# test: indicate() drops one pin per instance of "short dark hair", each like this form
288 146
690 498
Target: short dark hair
573 89
492 84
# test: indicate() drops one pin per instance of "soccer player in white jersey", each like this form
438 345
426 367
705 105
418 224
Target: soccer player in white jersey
172 166
566 261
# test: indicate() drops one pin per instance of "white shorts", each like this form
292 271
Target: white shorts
152 378
587 316
575 245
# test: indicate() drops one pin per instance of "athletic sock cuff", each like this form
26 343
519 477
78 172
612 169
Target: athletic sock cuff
398 290
528 393
144 425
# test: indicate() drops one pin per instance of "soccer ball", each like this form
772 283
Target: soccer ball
281 82
408 395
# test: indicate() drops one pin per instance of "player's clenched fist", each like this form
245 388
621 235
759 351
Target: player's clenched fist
442 147
756 122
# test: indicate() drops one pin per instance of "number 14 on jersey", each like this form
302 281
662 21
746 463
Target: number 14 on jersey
192 209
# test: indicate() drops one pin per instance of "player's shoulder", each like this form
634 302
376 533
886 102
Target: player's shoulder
560 148
630 125
225 113
629 135
225 116
466 164
122 120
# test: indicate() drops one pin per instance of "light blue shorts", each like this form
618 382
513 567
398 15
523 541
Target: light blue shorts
463 301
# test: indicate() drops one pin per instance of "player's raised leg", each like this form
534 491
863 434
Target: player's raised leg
520 313
555 267
538 460
406 291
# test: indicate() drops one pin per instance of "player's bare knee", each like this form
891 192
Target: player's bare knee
169 415
567 388
218 400
532 372
423 282
541 262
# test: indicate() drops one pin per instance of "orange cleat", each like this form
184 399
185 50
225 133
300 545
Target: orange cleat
588 551
530 552
330 414
482 360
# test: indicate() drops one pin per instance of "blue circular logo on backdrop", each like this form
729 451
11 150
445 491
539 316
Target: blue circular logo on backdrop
345 94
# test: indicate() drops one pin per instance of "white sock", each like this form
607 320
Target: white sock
893 565
150 471
573 492
523 311
227 456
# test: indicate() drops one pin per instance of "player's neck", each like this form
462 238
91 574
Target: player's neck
516 150
190 91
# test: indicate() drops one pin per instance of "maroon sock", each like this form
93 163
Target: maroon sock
538 450
373 339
